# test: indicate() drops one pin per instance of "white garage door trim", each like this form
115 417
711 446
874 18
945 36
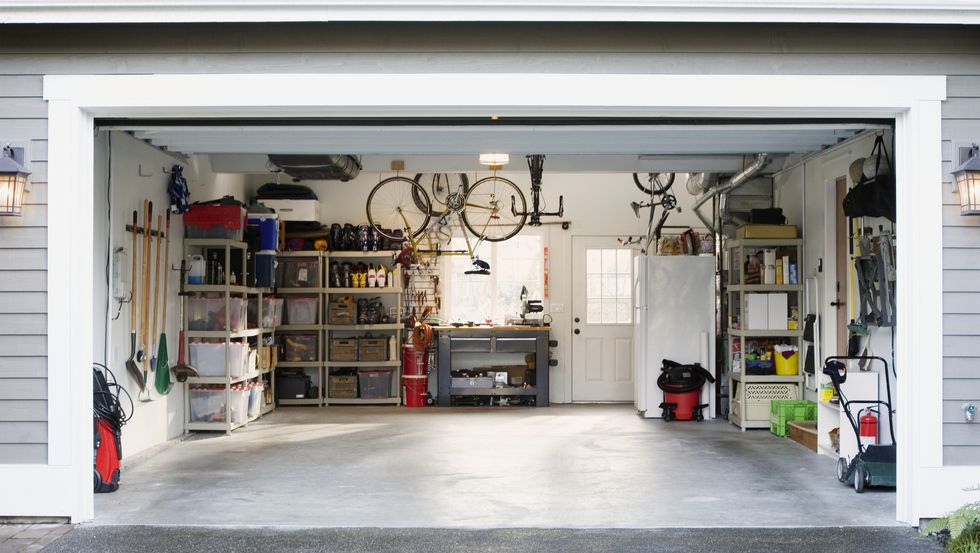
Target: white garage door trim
914 102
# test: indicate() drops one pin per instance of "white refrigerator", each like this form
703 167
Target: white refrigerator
675 319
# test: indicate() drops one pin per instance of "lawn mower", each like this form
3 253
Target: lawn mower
874 464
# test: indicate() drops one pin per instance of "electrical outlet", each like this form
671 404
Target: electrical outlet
558 308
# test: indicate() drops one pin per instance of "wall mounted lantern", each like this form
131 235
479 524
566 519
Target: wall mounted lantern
967 177
13 183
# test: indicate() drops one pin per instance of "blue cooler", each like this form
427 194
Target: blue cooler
268 224
265 269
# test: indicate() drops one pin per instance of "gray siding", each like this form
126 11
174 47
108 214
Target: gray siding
31 51
961 282
23 283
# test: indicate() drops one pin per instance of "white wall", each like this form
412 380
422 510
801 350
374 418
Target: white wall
805 191
596 204
162 419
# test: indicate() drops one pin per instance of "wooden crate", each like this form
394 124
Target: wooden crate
343 387
372 349
339 313
804 433
343 349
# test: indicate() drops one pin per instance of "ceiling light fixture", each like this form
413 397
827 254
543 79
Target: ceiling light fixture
494 160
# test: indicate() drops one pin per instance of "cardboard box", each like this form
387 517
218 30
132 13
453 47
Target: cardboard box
341 313
343 349
343 387
766 231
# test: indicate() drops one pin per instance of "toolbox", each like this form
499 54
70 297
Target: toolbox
343 349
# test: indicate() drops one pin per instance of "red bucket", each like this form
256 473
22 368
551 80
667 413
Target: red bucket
413 361
415 390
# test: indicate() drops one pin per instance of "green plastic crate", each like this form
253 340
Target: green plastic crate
782 411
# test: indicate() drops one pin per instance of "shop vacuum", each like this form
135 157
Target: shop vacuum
682 385
109 418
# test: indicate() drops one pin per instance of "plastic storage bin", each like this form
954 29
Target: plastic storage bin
299 272
209 314
271 312
207 404
374 384
782 412
209 358
255 393
215 221
299 347
787 366
302 311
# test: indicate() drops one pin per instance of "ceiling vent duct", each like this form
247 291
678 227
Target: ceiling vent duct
737 180
700 182
318 167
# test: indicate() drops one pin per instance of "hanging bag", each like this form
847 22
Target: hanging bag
874 196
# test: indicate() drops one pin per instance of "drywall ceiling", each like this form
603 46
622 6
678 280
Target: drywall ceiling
666 147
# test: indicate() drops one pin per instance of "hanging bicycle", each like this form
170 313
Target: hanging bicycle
483 209
658 186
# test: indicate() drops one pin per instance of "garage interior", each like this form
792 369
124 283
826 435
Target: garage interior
532 386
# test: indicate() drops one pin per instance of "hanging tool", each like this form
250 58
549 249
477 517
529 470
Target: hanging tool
163 382
131 367
156 296
182 371
145 303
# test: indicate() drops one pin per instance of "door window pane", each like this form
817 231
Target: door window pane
609 290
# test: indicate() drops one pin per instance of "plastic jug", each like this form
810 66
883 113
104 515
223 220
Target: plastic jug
196 273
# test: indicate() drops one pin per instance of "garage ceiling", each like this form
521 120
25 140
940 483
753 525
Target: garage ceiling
609 147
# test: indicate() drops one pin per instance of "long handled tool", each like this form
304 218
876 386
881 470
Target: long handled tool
182 371
155 277
163 382
131 367
145 304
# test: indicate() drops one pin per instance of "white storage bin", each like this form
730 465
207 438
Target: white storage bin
295 210
209 314
301 311
239 404
255 393
209 358
272 312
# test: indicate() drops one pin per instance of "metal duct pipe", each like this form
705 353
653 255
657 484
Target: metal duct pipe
737 180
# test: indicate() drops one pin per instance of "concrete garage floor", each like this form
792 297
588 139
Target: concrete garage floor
587 466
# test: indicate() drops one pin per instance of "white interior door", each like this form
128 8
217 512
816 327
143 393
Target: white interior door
602 316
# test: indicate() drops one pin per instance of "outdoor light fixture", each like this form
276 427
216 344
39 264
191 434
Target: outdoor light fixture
967 177
13 184
494 160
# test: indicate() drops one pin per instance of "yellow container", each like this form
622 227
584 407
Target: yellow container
787 366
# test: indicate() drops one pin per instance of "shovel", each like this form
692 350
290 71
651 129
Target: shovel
163 382
131 367
156 296
144 355
182 371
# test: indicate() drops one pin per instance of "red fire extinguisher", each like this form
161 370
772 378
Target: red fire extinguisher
869 427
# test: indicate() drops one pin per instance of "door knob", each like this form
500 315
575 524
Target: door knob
577 320
577 331
838 304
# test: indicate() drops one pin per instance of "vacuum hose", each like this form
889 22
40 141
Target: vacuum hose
677 378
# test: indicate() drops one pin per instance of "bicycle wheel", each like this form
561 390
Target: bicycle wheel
661 182
392 206
440 186
490 209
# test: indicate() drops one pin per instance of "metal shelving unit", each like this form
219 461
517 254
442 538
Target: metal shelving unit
227 336
748 393
314 368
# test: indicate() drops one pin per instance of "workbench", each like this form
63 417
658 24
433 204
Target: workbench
489 346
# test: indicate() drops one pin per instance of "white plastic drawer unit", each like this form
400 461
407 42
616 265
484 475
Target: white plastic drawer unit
295 210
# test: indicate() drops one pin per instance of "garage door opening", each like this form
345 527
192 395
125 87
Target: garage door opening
539 414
